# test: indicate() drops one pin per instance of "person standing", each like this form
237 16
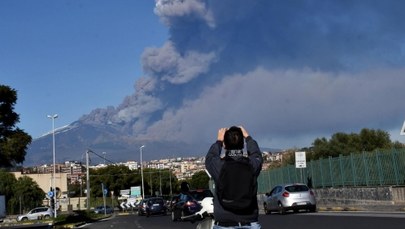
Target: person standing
235 195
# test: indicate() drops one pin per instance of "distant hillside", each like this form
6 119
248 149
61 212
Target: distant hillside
74 140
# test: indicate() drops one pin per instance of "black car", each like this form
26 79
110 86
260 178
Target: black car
189 205
200 194
152 206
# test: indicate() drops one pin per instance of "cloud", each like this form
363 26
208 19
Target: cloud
173 67
170 10
286 105
289 71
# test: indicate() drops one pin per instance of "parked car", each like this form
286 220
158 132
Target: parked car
100 210
287 197
152 206
36 213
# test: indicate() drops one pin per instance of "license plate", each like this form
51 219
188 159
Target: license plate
302 203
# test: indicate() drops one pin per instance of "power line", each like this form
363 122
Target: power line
102 157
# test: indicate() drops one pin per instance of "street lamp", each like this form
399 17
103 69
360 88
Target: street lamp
104 153
53 117
143 187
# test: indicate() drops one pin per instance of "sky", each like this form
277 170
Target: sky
288 71
69 57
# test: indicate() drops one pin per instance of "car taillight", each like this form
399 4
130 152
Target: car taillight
312 193
286 194
190 203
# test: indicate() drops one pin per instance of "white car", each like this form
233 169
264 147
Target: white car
36 213
287 197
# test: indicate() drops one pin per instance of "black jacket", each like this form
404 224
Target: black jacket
213 164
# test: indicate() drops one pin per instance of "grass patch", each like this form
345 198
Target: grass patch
77 217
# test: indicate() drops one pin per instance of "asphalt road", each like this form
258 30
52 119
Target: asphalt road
319 220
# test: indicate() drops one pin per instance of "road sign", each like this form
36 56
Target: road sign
105 191
50 194
300 160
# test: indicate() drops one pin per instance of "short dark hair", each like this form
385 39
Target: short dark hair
233 138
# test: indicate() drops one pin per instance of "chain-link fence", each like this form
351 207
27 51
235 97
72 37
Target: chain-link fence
379 168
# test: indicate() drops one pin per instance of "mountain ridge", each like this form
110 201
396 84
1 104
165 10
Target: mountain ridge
72 142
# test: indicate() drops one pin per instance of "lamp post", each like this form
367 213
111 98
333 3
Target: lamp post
104 153
53 117
143 187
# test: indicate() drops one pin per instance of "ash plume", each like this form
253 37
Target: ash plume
289 71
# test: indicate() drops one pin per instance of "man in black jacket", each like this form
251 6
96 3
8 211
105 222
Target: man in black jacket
232 140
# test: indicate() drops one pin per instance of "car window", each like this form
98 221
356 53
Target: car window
157 201
201 194
297 188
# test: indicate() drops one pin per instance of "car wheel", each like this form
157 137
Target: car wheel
266 211
312 208
281 209
47 216
24 219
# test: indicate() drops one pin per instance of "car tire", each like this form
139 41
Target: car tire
47 216
312 208
281 209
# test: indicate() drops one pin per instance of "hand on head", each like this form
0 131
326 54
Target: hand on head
221 133
244 132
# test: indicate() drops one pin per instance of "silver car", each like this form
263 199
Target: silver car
36 213
287 197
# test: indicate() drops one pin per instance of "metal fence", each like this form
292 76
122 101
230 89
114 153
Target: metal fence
379 168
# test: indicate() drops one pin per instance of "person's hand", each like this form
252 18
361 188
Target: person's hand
221 133
244 132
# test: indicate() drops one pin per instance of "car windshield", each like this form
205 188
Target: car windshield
297 188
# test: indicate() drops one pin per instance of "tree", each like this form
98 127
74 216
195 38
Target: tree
199 180
7 181
343 144
13 141
27 195
114 178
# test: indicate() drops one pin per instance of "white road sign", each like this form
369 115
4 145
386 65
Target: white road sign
300 160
